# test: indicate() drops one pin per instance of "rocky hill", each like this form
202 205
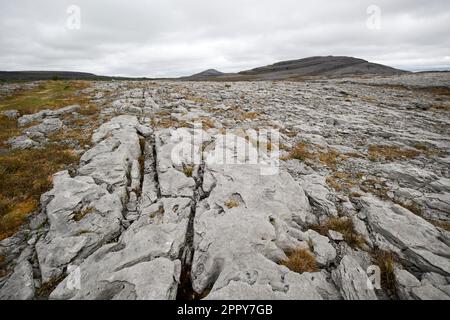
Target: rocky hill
329 66
353 179
205 75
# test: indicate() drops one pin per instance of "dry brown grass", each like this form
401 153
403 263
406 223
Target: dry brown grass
301 261
386 262
330 158
47 288
188 170
82 136
355 195
288 133
426 150
248 116
354 155
345 227
3 271
301 152
79 215
24 176
8 130
441 224
444 91
79 129
89 110
342 182
375 187
230 204
441 107
411 206
168 122
197 99
391 153
207 123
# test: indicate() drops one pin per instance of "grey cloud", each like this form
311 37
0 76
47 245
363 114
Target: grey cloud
178 37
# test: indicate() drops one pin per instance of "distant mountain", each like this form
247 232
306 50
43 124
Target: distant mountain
45 75
329 66
55 75
204 75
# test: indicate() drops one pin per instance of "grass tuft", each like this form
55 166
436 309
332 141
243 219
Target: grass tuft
188 171
386 262
391 153
80 214
300 261
301 152
345 227
230 204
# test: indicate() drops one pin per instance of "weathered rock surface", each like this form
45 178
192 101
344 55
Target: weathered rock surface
243 228
318 193
415 239
47 126
20 285
85 211
352 280
160 209
22 142
11 114
28 118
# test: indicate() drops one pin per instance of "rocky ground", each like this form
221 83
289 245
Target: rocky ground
362 185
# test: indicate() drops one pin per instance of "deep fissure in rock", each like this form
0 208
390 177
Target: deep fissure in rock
185 289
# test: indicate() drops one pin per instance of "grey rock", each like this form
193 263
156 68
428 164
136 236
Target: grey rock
351 280
144 260
428 292
405 281
47 126
441 185
22 142
28 118
420 243
20 285
11 114
73 238
407 175
243 227
176 150
319 195
336 236
434 279
323 250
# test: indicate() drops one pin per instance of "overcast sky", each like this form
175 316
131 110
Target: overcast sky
181 37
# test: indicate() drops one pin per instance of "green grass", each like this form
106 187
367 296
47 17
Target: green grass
48 95
26 174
